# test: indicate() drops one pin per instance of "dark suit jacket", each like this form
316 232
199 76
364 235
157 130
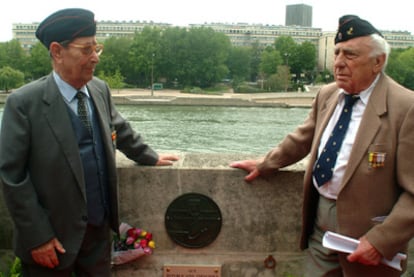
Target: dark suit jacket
387 126
41 169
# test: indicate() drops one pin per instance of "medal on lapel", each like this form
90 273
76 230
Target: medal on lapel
376 159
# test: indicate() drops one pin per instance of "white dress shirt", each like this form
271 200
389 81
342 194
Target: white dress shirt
330 189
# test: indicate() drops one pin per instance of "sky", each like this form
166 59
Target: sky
384 15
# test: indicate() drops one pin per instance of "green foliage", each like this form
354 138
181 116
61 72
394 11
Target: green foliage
143 54
13 55
115 80
115 57
39 62
195 57
198 57
279 81
10 78
285 45
16 268
255 59
238 63
246 88
401 66
271 59
324 77
306 54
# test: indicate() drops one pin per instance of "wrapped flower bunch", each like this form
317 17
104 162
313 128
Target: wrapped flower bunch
131 244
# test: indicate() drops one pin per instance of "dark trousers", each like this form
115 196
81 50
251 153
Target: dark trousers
93 258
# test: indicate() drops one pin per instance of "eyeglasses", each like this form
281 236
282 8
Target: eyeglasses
88 49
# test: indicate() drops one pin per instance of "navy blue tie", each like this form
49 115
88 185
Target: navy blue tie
325 164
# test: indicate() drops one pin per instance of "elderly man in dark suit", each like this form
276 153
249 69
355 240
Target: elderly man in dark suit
57 156
359 180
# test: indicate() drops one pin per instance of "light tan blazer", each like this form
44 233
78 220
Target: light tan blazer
387 127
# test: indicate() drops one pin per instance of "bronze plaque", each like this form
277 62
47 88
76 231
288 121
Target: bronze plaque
192 270
193 220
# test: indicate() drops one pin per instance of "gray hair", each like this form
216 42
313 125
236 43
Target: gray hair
379 47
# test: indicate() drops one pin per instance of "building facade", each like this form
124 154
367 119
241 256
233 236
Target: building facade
298 27
298 15
25 32
243 34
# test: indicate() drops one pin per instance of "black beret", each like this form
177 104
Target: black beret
351 26
66 24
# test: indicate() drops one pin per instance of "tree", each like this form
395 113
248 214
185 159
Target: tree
406 61
207 53
270 60
114 60
13 55
10 78
173 62
287 49
256 53
39 62
115 80
278 81
393 68
195 57
239 64
305 61
143 55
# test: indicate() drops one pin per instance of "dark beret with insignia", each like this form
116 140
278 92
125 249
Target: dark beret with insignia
351 26
66 24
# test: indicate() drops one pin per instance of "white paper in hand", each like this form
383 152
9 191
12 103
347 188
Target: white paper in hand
346 244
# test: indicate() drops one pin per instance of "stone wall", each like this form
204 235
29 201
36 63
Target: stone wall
259 219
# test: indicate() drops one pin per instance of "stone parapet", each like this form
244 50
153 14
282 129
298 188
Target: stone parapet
259 219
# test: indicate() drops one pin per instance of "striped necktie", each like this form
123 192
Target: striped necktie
325 164
83 111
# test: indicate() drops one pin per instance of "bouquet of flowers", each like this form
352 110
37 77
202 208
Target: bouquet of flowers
131 244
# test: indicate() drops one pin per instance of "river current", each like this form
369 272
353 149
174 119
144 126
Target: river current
208 129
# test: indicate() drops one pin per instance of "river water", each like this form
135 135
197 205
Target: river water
207 129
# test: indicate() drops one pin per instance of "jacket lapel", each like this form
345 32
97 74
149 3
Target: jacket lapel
55 111
328 107
370 124
102 113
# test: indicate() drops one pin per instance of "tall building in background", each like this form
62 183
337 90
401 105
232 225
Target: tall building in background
298 15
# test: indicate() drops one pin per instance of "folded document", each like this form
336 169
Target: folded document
346 244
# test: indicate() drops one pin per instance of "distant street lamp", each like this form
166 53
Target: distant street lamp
152 74
287 55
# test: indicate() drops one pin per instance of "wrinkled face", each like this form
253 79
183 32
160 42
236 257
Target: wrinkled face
75 62
355 66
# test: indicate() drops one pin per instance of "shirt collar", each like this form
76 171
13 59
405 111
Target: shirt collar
363 95
67 91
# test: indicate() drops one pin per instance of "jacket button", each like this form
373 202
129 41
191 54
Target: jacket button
84 218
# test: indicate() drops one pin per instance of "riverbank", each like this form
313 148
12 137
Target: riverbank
175 97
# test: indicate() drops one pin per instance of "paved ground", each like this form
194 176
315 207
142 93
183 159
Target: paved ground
288 98
301 99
